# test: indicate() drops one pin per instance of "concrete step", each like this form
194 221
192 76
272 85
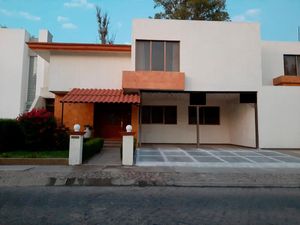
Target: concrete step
112 143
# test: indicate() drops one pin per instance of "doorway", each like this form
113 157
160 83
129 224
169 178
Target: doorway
111 119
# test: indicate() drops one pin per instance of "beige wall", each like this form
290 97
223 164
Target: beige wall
215 56
237 124
272 58
88 70
279 117
242 124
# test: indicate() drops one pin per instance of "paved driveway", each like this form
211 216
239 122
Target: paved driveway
214 156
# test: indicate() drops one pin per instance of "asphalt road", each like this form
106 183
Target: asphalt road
149 205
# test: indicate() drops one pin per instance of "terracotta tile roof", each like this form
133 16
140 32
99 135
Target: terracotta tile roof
78 95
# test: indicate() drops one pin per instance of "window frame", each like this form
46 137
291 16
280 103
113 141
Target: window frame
297 57
164 53
202 120
163 114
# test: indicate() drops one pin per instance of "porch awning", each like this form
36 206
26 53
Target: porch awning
80 95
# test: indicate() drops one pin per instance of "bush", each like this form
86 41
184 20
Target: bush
11 135
39 127
92 147
62 139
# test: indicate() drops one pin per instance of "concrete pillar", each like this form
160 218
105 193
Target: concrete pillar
128 147
76 145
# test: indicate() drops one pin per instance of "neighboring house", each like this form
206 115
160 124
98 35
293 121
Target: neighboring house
181 82
23 74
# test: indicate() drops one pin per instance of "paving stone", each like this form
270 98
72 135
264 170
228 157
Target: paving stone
175 153
198 153
247 153
269 153
222 153
151 153
287 159
150 159
205 159
235 159
179 159
261 159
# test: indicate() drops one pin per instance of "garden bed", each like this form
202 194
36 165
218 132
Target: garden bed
34 158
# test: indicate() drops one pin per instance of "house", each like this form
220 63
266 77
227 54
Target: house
180 82
23 73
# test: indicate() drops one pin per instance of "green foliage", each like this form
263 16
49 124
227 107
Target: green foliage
91 147
103 27
211 10
11 135
38 154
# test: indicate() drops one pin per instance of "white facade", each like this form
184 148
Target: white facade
220 58
87 70
14 64
14 71
215 56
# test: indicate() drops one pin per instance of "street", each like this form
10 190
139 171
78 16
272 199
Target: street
149 205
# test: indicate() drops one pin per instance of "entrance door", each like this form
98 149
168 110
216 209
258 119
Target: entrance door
111 119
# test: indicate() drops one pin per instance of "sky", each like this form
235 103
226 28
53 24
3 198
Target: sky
75 20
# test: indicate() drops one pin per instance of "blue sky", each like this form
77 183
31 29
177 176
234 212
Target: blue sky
75 21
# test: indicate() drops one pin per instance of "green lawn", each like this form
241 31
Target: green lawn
35 154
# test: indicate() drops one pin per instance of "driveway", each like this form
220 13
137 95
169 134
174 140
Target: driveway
214 156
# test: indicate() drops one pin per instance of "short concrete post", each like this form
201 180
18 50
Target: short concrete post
128 147
76 144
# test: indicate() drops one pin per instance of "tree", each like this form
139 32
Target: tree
211 10
103 26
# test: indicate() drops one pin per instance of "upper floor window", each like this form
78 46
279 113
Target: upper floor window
292 65
157 55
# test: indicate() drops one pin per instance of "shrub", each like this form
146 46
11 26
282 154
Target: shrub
39 127
11 135
62 139
92 147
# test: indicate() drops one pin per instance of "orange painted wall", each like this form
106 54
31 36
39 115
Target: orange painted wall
135 120
81 113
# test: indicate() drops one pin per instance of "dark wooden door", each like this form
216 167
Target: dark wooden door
111 119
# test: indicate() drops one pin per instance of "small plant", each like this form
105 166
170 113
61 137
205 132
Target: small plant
92 147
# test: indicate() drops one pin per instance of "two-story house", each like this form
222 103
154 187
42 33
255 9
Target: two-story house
181 82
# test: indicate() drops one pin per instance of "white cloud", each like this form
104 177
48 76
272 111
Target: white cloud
79 4
249 15
66 23
28 16
69 26
62 19
6 12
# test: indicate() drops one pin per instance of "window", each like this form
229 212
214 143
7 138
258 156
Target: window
159 115
292 65
157 55
209 115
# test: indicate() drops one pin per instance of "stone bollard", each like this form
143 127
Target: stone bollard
128 146
76 144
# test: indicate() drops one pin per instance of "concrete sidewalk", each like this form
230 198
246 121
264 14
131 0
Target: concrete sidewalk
92 175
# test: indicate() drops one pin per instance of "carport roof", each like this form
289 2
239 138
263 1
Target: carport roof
81 95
